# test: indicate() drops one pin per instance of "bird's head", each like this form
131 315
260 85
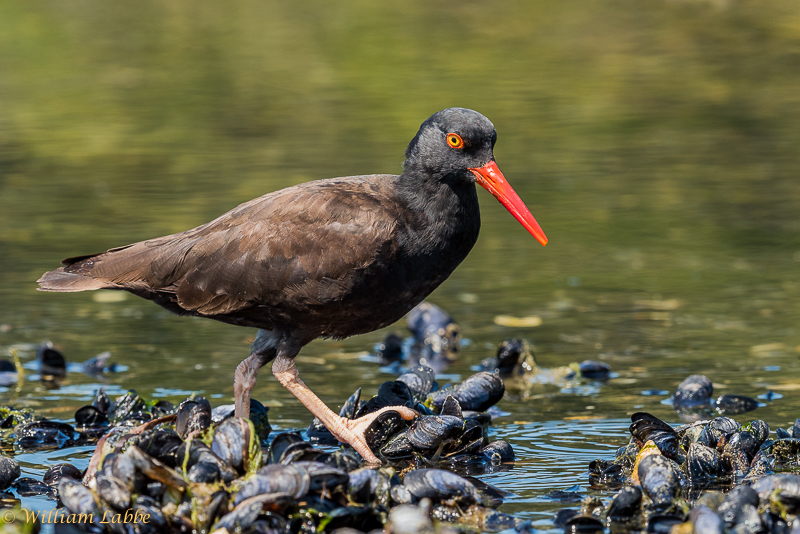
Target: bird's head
459 143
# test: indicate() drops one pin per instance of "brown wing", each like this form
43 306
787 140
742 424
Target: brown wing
304 242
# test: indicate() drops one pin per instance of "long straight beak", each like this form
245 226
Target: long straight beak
490 177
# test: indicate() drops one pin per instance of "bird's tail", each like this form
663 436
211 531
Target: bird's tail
64 282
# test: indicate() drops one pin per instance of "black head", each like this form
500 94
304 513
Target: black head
450 142
458 143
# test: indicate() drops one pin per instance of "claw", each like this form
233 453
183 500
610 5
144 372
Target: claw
351 431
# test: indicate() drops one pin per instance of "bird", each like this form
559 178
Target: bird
329 258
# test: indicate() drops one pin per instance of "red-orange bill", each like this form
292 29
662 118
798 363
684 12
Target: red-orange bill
490 177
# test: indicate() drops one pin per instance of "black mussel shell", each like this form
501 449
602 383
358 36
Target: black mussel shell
350 406
343 459
430 431
90 417
101 401
785 483
206 472
796 429
498 452
724 425
200 452
562 516
659 478
733 404
391 393
78 499
760 430
782 434
44 434
702 462
735 461
646 427
53 475
706 521
319 434
51 361
30 487
383 428
439 485
161 409
662 524
510 355
451 407
193 415
626 504
594 370
280 443
733 508
477 393
259 416
390 349
161 444
398 447
744 441
113 491
420 380
231 442
694 392
323 476
126 405
148 507
583 523
293 480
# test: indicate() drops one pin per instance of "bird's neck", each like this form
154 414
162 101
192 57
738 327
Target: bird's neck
444 210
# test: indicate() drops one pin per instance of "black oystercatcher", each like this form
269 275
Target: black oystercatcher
331 258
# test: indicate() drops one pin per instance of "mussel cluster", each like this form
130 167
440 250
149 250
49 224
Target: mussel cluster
191 468
676 476
451 428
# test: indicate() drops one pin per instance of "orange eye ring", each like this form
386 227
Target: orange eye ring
455 141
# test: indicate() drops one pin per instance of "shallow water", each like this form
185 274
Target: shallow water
654 142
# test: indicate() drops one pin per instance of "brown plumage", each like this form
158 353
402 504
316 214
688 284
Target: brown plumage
331 258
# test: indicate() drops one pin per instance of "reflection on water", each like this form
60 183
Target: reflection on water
655 143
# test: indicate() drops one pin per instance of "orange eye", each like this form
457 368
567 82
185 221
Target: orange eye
454 140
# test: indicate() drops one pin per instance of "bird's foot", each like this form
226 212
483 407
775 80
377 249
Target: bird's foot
351 431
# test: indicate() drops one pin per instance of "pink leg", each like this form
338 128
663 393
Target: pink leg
350 431
243 382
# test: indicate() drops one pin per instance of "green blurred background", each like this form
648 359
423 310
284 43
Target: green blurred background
655 141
